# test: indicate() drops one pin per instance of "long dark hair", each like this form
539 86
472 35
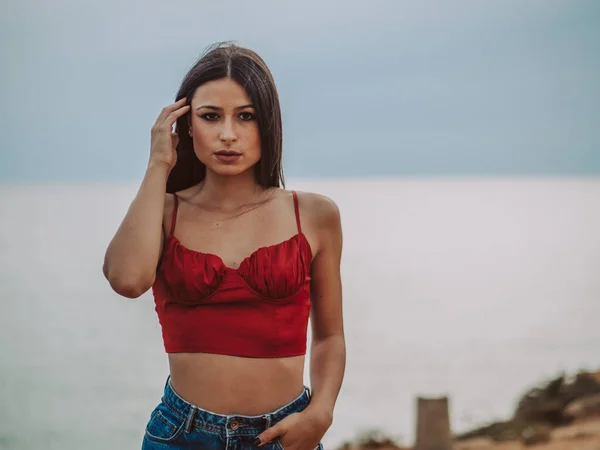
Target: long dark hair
227 60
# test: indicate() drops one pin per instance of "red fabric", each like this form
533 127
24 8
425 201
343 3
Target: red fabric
258 310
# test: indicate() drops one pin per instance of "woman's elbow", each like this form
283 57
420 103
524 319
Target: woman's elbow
128 285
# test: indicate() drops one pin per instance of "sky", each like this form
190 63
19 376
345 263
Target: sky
368 89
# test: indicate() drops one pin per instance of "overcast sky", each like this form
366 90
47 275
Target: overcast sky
368 88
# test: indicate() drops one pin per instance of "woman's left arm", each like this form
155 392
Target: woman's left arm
328 349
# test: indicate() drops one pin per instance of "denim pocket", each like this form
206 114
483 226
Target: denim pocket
164 426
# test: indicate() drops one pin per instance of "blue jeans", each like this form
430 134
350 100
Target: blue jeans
178 424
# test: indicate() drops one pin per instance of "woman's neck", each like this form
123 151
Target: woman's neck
229 193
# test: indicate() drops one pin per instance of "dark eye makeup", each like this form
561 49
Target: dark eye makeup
245 116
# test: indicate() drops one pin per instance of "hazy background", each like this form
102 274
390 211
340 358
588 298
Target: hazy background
460 140
367 88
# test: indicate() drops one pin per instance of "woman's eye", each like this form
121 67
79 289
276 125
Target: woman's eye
246 116
210 116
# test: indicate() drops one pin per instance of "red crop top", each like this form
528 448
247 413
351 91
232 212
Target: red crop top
258 310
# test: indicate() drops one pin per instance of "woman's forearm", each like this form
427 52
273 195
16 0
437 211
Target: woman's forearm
327 366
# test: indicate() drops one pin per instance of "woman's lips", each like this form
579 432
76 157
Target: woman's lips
227 156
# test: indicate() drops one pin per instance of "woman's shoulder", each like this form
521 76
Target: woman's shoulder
173 200
187 193
318 208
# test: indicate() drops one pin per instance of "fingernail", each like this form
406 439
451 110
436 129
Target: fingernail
256 441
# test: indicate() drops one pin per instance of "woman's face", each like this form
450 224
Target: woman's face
223 127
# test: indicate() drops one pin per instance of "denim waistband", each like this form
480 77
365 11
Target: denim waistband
234 424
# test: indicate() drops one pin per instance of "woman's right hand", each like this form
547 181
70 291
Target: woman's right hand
163 141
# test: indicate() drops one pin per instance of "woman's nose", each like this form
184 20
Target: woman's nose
227 132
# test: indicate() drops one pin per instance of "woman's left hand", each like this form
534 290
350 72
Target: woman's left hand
298 431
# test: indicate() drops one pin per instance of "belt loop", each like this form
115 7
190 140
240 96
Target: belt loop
267 418
190 419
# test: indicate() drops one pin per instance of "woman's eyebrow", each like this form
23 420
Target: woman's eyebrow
216 108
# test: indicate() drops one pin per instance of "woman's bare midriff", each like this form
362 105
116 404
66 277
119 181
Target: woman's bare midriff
226 384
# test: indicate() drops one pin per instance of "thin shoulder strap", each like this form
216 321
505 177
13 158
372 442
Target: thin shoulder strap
174 218
297 211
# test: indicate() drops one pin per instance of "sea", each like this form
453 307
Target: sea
474 288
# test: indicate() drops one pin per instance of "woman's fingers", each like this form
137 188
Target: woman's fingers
174 115
168 110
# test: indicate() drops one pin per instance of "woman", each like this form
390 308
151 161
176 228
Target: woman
236 264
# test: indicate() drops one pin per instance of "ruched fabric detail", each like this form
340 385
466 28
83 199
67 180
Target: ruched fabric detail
260 309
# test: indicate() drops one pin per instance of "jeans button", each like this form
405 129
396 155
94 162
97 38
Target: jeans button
234 425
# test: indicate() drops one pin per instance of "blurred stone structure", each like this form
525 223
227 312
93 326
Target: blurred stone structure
433 424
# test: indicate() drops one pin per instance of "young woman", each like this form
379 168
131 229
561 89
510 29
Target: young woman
237 265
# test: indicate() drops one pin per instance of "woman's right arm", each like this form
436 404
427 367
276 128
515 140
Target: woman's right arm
132 256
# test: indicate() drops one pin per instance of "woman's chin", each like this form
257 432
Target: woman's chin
228 170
